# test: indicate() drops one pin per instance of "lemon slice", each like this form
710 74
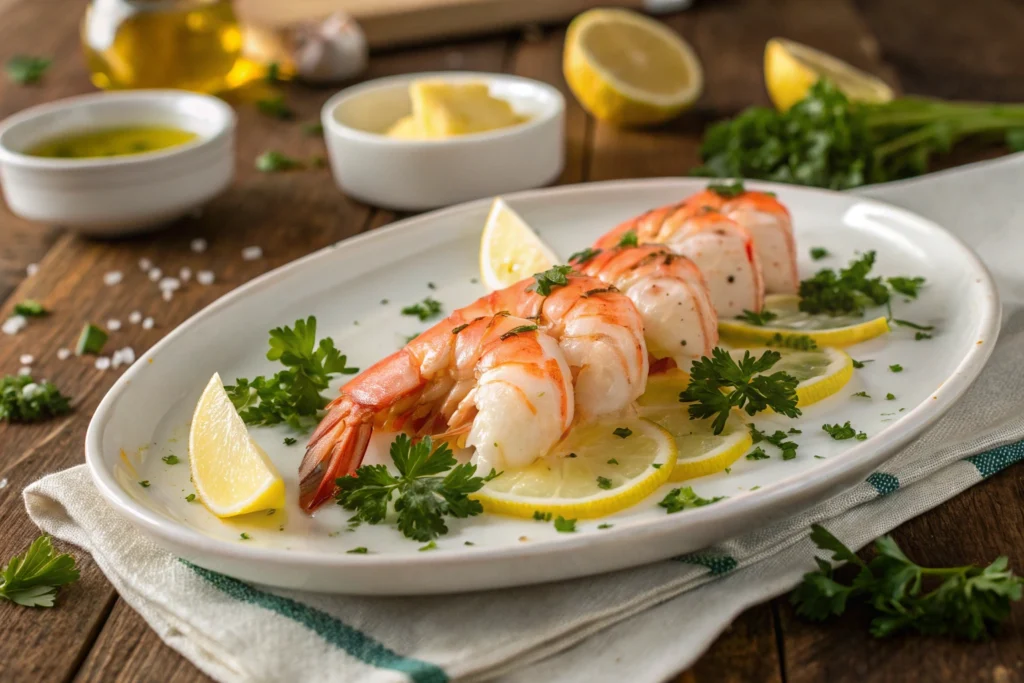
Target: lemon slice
628 69
790 69
509 249
701 451
231 473
822 372
593 472
825 330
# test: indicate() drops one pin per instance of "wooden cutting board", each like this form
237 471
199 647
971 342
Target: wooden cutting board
389 23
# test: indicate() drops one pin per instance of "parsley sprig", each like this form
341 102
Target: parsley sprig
23 399
422 498
293 395
546 281
964 602
744 384
34 578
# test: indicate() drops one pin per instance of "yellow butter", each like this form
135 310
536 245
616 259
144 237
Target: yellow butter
442 110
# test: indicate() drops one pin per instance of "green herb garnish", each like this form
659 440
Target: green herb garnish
244 536
818 253
757 454
751 390
628 239
728 190
273 161
541 516
896 367
30 308
313 128
964 602
23 399
604 483
843 432
361 550
622 432
544 282
918 336
422 499
275 107
862 394
518 330
91 340
847 291
294 395
605 526
779 439
190 498
424 310
144 483
682 498
33 578
890 397
171 459
581 257
799 342
26 69
565 526
290 441
758 318
913 326
908 286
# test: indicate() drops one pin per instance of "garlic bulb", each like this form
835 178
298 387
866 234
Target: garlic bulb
323 50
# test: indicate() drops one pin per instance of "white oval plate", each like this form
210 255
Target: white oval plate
147 411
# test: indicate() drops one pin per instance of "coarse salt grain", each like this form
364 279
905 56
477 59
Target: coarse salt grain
169 284
3 483
135 317
125 356
252 253
63 354
204 277
113 324
102 363
155 274
167 294
14 324
27 359
112 278
31 269
147 324
25 371
145 264
198 245
185 274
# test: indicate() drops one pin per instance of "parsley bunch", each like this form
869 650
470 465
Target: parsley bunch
718 384
292 395
848 291
33 579
825 140
422 498
964 602
23 399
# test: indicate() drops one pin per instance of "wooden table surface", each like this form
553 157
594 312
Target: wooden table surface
969 49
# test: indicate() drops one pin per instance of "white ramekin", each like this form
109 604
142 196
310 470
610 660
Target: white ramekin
414 175
122 194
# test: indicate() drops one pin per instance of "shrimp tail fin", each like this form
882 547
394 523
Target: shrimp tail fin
335 450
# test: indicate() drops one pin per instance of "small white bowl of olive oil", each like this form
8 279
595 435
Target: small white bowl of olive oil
117 163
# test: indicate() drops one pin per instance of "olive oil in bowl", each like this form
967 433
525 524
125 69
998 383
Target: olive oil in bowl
111 142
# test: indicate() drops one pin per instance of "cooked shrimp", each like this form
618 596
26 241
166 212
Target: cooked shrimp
441 384
669 292
722 249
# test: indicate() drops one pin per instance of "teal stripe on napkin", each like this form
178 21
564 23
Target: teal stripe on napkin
990 462
334 631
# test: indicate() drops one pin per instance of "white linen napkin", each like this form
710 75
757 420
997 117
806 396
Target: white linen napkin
636 625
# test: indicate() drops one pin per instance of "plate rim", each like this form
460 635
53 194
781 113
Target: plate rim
835 474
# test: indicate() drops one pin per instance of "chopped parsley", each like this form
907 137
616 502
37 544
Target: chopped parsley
34 578
518 330
604 483
30 308
847 291
424 310
171 459
915 326
843 432
313 129
275 107
896 367
890 397
422 498
862 394
190 498
581 257
565 526
728 190
544 282
605 526
622 432
273 161
144 483
758 318
92 339
798 342
23 399
682 498
430 546
541 516
860 363
628 239
918 336
290 441
757 454
26 69
907 286
818 253
779 439
293 395
613 461
361 550
752 391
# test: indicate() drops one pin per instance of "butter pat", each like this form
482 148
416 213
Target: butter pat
442 110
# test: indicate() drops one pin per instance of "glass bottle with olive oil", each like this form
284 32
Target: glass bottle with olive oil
188 44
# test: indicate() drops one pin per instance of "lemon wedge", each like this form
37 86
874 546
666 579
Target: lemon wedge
509 249
700 450
825 330
629 69
790 69
821 372
598 469
231 473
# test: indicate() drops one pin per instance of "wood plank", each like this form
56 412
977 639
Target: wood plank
744 653
288 215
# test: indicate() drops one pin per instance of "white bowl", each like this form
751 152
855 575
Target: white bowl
122 194
414 175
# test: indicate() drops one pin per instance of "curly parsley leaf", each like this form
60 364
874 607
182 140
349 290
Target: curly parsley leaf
23 399
848 291
760 319
966 602
34 578
26 69
294 395
682 498
907 286
565 526
718 384
628 239
422 498
424 310
546 281
842 432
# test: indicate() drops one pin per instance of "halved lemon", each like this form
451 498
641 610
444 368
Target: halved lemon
629 69
231 473
509 249
825 330
600 468
822 372
790 69
701 451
